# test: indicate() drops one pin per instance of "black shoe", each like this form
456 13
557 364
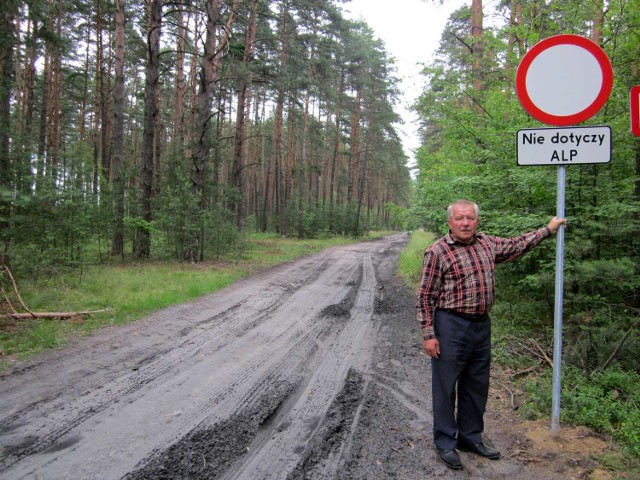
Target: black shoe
450 458
479 449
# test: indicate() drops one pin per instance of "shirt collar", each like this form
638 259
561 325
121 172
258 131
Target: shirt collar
451 240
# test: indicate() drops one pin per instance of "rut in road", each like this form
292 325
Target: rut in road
271 427
236 385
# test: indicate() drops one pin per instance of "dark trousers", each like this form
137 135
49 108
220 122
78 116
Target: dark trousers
460 377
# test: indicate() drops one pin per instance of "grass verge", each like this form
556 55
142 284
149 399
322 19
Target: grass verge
410 264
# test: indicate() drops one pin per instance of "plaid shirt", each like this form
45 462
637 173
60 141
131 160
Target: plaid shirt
459 277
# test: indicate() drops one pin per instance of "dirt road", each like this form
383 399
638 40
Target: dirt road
309 370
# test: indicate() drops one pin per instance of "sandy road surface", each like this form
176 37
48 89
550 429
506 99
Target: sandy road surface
309 370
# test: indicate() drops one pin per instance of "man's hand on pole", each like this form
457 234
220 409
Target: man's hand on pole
555 223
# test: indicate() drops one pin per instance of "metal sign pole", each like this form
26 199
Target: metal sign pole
557 338
557 69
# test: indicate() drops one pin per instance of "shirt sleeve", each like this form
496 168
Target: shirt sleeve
428 293
507 249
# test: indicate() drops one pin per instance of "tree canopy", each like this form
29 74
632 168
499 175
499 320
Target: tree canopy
174 127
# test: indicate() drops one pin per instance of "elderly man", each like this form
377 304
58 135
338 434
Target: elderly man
455 296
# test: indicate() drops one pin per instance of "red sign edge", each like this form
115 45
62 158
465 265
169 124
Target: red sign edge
634 100
563 39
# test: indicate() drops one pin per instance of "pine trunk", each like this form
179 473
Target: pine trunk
117 245
336 145
239 154
180 95
152 79
210 65
7 43
598 21
44 112
97 107
53 135
352 189
478 45
278 131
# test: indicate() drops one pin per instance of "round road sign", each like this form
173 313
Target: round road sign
564 80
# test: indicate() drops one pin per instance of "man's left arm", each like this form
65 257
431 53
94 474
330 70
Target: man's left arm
508 249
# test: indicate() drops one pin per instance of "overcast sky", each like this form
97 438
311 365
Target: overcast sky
411 31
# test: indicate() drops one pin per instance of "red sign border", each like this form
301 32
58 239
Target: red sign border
564 120
634 100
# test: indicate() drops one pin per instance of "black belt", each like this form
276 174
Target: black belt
472 317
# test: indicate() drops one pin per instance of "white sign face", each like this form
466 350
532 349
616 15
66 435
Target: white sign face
564 80
564 146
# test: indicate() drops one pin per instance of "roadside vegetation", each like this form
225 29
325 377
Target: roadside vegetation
605 399
129 290
471 113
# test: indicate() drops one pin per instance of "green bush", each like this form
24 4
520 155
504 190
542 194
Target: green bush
606 401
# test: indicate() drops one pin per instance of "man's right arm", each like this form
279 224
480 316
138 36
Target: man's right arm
428 293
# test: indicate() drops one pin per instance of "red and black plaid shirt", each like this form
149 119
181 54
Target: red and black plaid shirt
459 277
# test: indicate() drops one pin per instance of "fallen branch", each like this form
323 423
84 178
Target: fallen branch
514 406
26 316
526 370
32 315
15 289
523 456
6 299
536 350
544 354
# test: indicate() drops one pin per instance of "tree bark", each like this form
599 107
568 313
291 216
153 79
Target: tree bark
25 81
152 76
598 21
337 143
268 173
352 189
105 113
7 43
278 128
241 130
515 21
85 86
98 104
53 123
189 139
209 67
478 45
117 244
181 87
304 161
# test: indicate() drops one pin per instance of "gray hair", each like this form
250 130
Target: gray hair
465 203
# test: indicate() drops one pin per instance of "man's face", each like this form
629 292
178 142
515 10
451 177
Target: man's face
464 223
